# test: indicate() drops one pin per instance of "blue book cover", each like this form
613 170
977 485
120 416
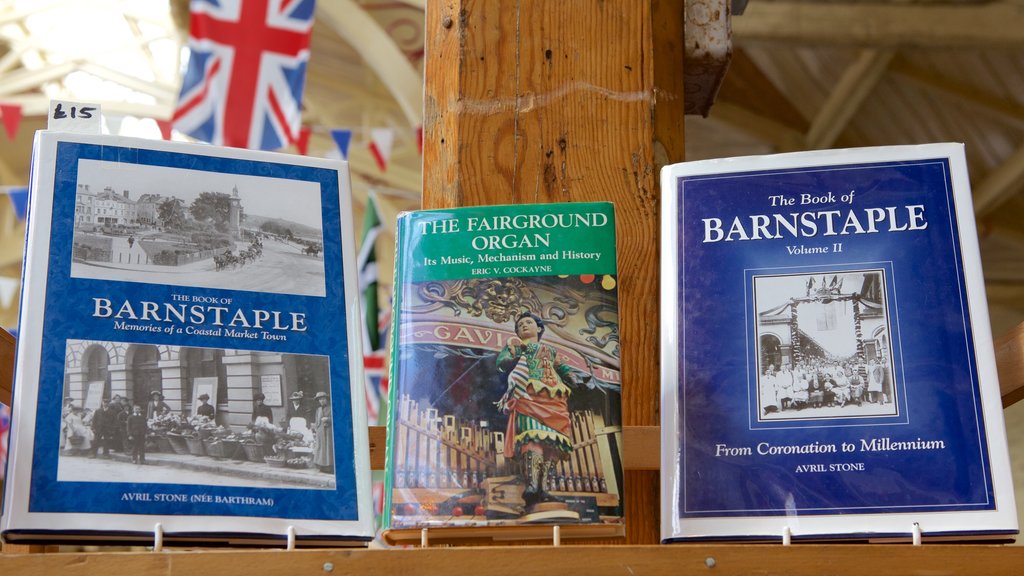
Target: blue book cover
827 363
189 349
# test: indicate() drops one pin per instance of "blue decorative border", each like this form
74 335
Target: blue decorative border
930 317
68 316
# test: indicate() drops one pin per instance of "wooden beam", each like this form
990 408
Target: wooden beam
748 86
542 559
12 57
1000 184
7 176
553 101
973 25
23 79
1010 365
38 104
23 11
999 108
769 129
162 92
379 51
6 367
845 99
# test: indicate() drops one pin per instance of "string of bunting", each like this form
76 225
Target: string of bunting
380 142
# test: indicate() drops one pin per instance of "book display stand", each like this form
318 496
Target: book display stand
539 557
545 102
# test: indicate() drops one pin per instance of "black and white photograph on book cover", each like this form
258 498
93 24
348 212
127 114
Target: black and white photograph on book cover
824 346
167 225
159 414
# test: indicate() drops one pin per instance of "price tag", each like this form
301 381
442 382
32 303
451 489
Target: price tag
76 117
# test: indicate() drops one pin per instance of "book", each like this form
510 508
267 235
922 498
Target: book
189 349
505 399
827 361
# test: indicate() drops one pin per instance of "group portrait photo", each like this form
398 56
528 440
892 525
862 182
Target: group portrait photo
824 346
202 416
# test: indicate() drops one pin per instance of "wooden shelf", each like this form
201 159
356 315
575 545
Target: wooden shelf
717 560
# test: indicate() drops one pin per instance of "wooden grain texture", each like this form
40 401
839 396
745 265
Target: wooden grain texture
1010 365
566 102
717 560
6 366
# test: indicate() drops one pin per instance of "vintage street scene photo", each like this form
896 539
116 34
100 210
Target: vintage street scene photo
202 416
509 402
824 347
199 228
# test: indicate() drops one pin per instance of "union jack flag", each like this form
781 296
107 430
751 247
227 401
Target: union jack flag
376 389
243 85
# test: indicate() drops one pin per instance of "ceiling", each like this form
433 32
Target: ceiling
815 75
803 75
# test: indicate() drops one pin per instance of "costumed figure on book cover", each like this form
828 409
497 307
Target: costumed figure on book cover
509 403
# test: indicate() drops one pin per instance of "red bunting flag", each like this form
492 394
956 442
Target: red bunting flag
381 141
11 116
302 142
165 129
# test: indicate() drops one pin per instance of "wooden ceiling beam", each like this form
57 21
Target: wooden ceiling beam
23 79
12 58
8 176
162 92
881 25
783 138
344 89
396 176
38 104
855 85
144 47
748 86
13 16
989 231
378 49
969 93
1000 184
1005 293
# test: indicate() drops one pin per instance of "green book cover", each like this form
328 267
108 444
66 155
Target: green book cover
505 371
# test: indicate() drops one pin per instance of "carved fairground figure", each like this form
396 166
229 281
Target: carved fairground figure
539 431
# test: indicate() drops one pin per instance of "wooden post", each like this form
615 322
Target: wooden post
566 101
6 367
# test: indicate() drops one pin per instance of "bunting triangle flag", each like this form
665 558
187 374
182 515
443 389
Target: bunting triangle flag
381 141
367 263
11 116
165 129
302 142
8 288
114 122
19 200
342 138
